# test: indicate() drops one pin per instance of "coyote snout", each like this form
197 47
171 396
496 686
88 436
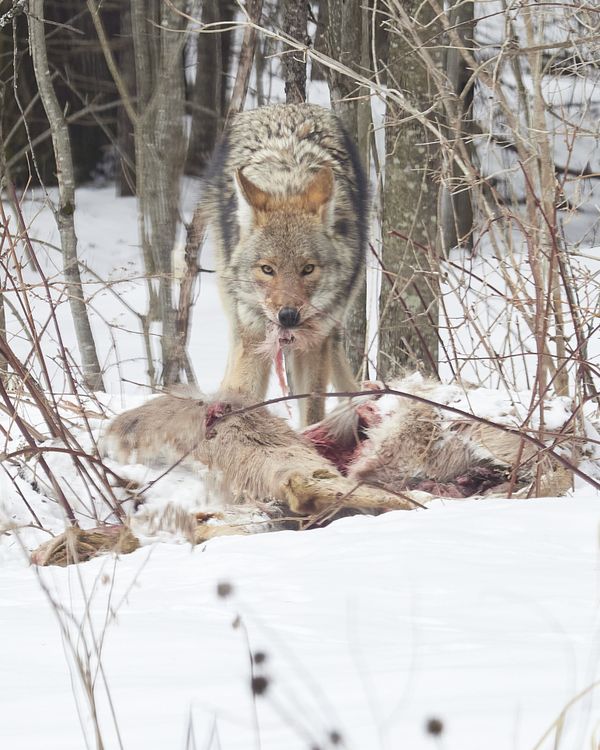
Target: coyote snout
287 200
289 317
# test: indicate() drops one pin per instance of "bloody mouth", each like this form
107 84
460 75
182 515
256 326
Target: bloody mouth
286 337
301 338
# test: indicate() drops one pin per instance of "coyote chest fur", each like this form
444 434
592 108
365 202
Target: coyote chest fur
287 201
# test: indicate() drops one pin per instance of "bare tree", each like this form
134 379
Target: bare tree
254 10
160 153
294 63
455 208
156 113
64 213
346 39
207 102
125 141
409 293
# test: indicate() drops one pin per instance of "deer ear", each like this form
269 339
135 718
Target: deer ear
317 198
251 199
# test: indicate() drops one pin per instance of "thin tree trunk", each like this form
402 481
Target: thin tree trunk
160 153
295 20
3 361
4 178
66 189
242 77
456 211
345 41
317 71
125 139
409 309
207 100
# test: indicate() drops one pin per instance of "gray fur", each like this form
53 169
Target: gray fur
280 148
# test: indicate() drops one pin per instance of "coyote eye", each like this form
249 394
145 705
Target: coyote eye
268 270
308 269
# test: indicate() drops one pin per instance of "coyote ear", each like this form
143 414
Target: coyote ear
251 199
317 198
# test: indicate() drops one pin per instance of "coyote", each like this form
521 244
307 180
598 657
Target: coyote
287 202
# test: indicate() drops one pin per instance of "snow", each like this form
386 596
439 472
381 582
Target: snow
481 613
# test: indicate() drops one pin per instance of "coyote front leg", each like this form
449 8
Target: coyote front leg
312 371
309 373
247 372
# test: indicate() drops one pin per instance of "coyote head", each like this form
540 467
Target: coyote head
288 261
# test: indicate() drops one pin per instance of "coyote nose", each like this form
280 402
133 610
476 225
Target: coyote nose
289 317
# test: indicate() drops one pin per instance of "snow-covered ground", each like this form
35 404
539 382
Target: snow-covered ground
481 613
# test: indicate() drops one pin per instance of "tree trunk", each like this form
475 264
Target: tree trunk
317 71
456 211
345 41
160 152
207 102
125 139
66 189
294 64
408 303
246 56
